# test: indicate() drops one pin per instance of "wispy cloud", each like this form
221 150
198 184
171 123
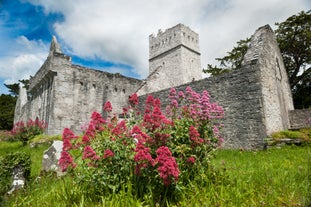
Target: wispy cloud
117 31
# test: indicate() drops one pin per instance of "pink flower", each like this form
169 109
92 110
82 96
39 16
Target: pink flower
108 106
85 139
181 94
67 136
89 153
195 136
108 153
142 157
97 122
191 160
66 161
168 167
133 99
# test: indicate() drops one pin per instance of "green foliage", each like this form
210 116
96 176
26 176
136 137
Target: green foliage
5 135
275 177
230 62
7 108
303 134
13 89
157 156
8 163
294 38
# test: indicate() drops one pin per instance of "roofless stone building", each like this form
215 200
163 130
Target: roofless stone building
257 98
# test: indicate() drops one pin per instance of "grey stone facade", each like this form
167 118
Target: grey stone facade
174 58
65 95
256 98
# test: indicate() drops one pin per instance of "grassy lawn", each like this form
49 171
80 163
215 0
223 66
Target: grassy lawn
275 177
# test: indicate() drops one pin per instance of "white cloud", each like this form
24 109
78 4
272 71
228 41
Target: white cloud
24 58
118 30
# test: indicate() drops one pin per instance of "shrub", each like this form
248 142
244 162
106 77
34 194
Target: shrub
5 135
149 152
24 132
8 163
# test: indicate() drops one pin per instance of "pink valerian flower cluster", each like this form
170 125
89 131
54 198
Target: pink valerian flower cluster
89 153
67 137
191 160
154 119
142 157
133 100
108 153
108 106
96 124
21 127
195 136
195 105
167 165
66 161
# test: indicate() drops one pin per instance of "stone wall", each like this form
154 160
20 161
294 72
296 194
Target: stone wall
65 95
174 58
300 118
239 93
256 98
276 94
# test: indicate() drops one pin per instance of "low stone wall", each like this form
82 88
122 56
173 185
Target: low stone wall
300 118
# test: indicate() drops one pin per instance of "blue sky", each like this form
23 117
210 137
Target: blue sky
113 35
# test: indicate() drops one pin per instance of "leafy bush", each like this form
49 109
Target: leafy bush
24 132
8 163
5 135
151 153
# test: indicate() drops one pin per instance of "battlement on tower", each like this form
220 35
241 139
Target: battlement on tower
179 35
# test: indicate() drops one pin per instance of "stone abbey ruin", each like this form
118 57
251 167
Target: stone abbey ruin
256 98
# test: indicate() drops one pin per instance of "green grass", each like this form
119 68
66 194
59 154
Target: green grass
36 154
275 177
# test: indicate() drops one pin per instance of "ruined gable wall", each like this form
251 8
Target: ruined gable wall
276 94
239 93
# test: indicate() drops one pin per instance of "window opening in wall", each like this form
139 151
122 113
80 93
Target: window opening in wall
94 86
183 34
278 73
123 90
106 87
115 89
81 83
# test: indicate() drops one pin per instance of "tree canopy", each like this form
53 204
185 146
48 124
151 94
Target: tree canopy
7 107
294 39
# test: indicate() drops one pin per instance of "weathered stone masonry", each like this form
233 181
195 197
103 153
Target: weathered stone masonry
257 98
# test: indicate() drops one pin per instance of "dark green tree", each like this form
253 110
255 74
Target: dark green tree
7 107
13 88
294 39
230 62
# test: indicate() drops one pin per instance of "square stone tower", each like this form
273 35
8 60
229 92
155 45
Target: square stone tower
174 59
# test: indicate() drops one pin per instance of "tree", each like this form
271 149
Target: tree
230 62
14 88
294 39
7 107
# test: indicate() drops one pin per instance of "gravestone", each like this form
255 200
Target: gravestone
51 157
18 179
